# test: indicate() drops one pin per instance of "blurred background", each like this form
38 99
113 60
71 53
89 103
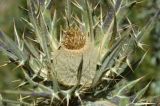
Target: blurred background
139 12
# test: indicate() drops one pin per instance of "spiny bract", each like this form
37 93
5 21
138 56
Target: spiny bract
73 59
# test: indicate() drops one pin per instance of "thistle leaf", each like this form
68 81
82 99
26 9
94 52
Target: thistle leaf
14 103
79 71
114 33
40 27
149 26
68 11
32 49
118 5
140 93
90 20
128 87
17 39
11 49
108 60
110 14
75 3
53 33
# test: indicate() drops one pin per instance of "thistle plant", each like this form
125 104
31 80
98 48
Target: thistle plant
76 59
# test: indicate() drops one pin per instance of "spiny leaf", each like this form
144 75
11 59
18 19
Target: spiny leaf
11 49
149 26
108 60
27 22
16 36
32 49
52 77
90 20
128 86
107 24
9 54
140 93
47 3
79 71
28 93
113 52
114 33
142 58
31 82
43 31
14 103
129 64
110 14
75 3
53 32
68 11
118 5
40 27
125 72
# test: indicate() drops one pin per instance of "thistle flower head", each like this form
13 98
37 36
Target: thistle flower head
74 39
75 47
